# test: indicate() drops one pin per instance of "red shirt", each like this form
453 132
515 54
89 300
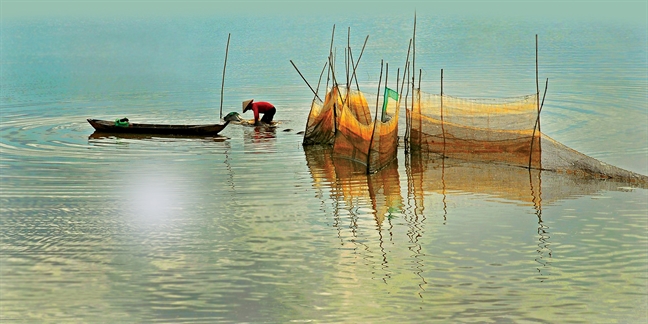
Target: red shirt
260 107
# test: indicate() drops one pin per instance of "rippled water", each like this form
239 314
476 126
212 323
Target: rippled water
253 227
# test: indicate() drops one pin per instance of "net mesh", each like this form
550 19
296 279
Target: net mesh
320 127
344 120
488 130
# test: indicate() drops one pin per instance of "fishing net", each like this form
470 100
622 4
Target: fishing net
320 127
344 120
358 138
490 130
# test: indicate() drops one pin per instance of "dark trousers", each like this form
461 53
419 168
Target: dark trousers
268 115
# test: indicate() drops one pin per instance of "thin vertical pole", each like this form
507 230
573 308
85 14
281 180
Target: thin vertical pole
397 80
537 84
536 70
386 86
348 70
338 91
442 122
379 83
330 64
413 59
223 81
408 113
537 123
414 51
375 121
408 130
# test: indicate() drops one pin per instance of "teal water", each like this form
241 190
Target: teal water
253 227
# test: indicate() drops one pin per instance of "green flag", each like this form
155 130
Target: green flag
389 93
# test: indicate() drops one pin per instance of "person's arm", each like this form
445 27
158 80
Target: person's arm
255 109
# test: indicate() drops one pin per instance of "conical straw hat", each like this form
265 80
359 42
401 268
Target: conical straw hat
246 103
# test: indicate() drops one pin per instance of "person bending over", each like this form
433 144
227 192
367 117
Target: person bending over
260 107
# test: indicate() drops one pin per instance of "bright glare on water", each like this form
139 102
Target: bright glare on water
254 227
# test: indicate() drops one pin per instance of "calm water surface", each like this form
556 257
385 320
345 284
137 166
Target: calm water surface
253 227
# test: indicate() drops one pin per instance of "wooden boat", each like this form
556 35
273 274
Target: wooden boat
107 126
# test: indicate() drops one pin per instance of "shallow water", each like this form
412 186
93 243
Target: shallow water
253 227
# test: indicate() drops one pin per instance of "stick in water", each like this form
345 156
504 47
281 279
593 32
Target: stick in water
223 82
314 92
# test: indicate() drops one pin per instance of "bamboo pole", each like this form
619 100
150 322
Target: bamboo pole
375 120
379 83
407 70
355 68
397 80
413 59
223 80
320 79
348 70
537 124
330 66
353 73
537 82
408 113
302 76
335 84
386 86
442 121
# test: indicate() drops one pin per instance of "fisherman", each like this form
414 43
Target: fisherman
260 107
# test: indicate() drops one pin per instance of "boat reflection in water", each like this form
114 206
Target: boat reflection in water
98 135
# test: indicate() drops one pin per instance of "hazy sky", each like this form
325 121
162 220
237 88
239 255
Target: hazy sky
626 11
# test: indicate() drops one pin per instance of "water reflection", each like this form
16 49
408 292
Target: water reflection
356 194
350 194
259 139
160 137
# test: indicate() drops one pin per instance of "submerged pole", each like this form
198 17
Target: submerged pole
223 81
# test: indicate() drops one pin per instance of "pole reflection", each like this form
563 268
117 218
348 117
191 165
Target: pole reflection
429 180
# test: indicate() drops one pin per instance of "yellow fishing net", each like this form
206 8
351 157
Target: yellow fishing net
491 130
344 120
320 127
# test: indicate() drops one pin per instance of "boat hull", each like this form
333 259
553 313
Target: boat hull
107 126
